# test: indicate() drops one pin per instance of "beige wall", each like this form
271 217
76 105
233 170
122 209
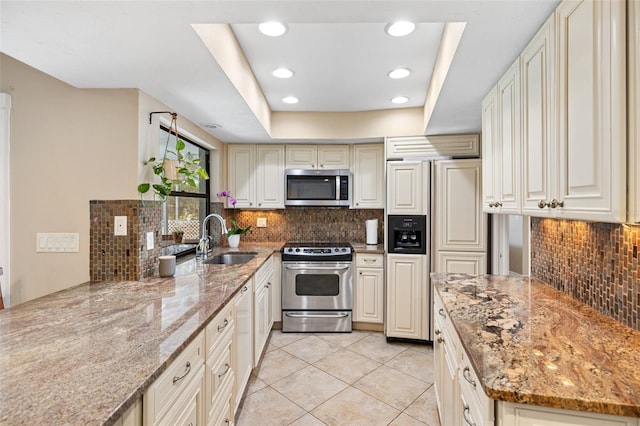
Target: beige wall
69 146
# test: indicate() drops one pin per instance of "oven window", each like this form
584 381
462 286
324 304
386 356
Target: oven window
317 285
311 188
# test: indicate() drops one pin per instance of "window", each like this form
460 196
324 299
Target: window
187 206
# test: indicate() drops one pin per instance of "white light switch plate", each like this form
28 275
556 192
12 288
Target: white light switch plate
150 240
67 242
262 222
119 225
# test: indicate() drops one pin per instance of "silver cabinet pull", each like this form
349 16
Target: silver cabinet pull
178 378
369 260
467 415
227 421
224 325
441 312
440 340
244 290
542 204
491 204
226 370
497 204
555 203
438 332
467 376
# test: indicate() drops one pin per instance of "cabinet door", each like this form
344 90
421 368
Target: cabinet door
261 312
270 176
407 297
592 111
528 415
333 156
189 408
241 164
459 222
369 294
509 169
243 340
490 150
405 187
633 8
538 118
368 176
301 156
461 262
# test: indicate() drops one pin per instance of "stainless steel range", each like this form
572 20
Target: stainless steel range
317 287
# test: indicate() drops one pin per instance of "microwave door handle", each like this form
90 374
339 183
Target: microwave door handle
337 188
316 268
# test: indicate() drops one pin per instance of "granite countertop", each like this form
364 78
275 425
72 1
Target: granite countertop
85 354
532 344
368 248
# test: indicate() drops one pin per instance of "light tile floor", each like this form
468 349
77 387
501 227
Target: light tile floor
341 379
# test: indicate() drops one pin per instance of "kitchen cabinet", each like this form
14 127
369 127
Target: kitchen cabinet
219 372
369 288
501 153
591 110
406 184
539 146
131 417
263 319
317 157
408 298
368 176
457 262
407 147
252 174
276 288
633 33
177 395
243 339
511 414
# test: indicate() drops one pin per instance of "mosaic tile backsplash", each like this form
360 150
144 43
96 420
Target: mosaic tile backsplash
308 224
595 263
114 257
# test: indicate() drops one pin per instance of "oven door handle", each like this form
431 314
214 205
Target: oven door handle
317 268
298 315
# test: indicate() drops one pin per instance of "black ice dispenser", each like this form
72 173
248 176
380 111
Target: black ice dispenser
407 234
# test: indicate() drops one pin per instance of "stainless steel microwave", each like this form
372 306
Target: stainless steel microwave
327 188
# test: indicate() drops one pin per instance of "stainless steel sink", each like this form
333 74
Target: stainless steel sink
233 258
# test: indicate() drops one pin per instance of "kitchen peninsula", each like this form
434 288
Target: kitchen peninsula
86 354
532 347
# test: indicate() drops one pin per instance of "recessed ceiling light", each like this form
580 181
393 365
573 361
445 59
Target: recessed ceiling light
400 28
400 100
399 73
282 73
272 29
290 100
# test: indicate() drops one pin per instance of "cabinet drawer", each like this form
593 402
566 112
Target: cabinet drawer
219 329
173 382
220 377
480 406
369 260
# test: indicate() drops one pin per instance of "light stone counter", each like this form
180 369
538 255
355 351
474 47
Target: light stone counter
368 248
532 344
83 355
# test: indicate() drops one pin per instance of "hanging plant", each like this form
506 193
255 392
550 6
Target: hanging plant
184 168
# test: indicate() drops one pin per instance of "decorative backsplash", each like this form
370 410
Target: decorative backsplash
308 224
595 263
114 257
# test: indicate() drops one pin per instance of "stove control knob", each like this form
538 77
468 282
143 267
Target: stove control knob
297 250
343 249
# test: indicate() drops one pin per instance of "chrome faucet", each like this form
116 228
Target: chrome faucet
203 245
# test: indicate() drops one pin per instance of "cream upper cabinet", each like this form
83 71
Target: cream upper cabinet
405 187
368 176
241 160
407 296
501 144
490 150
256 175
317 157
459 221
368 303
591 110
270 176
633 32
508 168
539 185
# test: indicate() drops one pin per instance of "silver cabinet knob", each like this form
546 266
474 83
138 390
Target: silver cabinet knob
555 203
542 204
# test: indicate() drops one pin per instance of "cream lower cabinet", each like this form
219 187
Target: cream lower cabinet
369 288
263 319
177 397
368 176
131 417
408 298
243 339
511 414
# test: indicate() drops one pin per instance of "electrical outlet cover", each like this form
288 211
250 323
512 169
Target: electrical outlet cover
120 225
150 240
262 222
